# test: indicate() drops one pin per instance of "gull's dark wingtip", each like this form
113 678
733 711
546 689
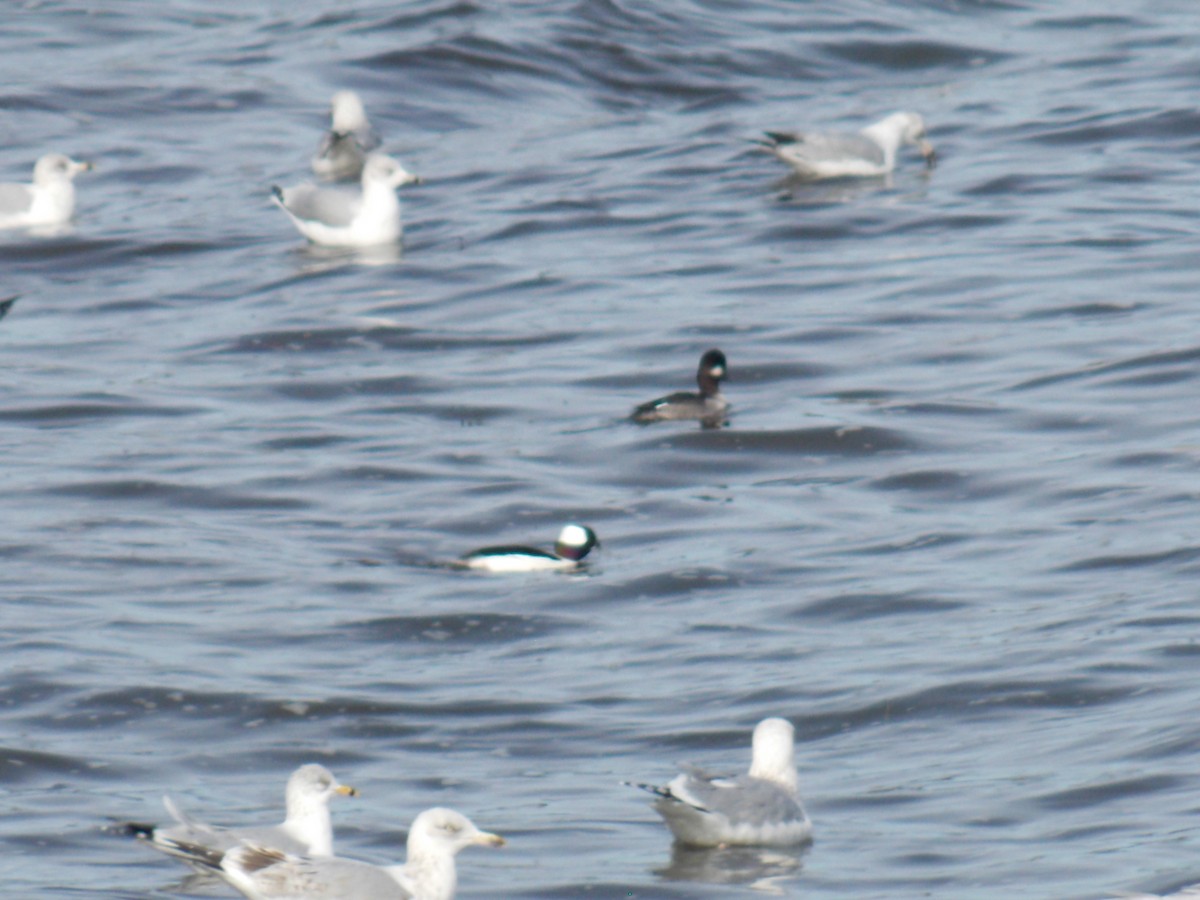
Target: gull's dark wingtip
7 304
198 854
650 788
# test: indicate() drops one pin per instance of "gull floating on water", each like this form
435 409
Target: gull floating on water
760 807
344 217
49 200
870 152
306 829
344 148
436 837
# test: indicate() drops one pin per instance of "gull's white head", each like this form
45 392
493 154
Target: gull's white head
311 787
773 752
348 113
380 169
55 167
446 832
909 128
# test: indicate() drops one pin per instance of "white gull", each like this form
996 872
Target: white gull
761 807
345 217
870 152
344 148
436 837
48 201
306 829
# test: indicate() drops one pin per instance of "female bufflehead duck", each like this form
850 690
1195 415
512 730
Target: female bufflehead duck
573 544
708 405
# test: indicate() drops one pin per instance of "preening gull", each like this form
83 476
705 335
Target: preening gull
306 829
344 148
345 217
436 837
761 807
870 152
573 544
49 200
708 406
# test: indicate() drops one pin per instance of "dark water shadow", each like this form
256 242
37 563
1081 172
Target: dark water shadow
457 628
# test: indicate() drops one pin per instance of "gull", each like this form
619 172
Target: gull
436 837
870 152
344 148
48 201
761 807
341 217
708 406
306 829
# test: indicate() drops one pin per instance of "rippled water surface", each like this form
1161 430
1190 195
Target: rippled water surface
950 529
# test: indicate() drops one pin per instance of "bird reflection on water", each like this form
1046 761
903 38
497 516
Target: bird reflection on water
758 867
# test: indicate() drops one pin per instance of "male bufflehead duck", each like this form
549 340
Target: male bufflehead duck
573 544
866 154
708 405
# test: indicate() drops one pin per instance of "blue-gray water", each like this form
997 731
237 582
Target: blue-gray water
951 530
